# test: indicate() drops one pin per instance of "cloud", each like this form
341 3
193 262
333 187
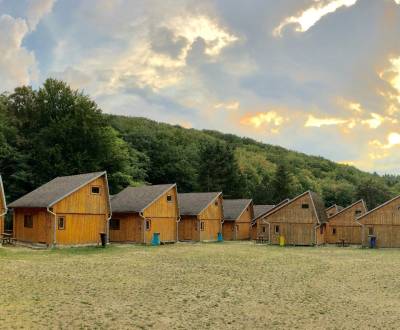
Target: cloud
233 105
269 119
307 18
17 64
350 105
37 9
375 121
319 122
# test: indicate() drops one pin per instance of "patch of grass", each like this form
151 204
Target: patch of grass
228 285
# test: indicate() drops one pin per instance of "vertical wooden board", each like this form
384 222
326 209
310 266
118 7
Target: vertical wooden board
211 229
130 229
188 228
162 208
244 224
84 202
213 210
228 230
166 227
39 233
81 229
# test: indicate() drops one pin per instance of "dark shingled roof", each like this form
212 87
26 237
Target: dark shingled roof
194 203
233 208
262 209
137 199
55 190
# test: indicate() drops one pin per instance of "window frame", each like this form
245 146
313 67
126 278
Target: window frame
370 230
113 227
169 199
202 226
30 218
357 212
277 229
334 231
59 217
305 206
264 229
147 224
95 187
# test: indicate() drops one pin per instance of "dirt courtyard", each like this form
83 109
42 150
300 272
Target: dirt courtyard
237 285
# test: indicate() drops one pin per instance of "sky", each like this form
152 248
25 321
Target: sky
317 76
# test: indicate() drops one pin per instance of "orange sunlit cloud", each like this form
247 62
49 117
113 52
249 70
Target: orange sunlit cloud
269 119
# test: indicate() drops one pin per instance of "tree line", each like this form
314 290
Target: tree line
55 131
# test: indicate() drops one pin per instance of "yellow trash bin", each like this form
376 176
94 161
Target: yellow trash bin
282 240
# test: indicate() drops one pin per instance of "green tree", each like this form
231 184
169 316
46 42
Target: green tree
281 183
373 191
219 170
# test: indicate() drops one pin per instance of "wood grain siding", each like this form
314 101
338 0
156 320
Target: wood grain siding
131 228
228 230
42 224
162 216
384 223
292 221
85 216
204 227
343 225
212 218
239 229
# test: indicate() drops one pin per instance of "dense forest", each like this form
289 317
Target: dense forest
56 131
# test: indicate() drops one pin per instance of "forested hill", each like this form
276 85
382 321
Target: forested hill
57 131
242 167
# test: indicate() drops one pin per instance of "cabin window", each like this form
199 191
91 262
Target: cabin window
202 225
321 230
169 198
114 224
264 229
216 203
148 224
370 230
333 231
276 229
95 190
357 212
304 206
61 223
28 221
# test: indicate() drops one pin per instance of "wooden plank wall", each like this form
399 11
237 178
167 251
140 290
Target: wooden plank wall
385 224
295 223
42 230
212 217
189 228
345 225
244 223
163 216
228 230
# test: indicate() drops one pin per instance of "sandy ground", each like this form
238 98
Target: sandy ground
199 286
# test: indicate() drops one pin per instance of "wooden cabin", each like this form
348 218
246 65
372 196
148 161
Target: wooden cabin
201 216
300 221
238 214
69 210
342 226
333 209
259 210
3 206
140 212
384 223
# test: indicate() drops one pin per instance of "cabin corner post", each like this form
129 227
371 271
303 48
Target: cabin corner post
54 226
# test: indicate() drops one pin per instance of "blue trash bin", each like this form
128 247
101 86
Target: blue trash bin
156 239
372 241
220 239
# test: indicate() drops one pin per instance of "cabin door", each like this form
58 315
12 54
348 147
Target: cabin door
138 230
44 226
187 229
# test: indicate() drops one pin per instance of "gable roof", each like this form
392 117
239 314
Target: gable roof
55 190
261 209
3 195
195 203
344 209
137 199
234 208
378 207
270 208
337 208
318 206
